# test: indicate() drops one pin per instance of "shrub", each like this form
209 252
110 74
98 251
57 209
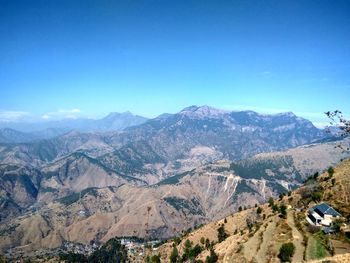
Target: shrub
271 201
212 258
174 255
333 181
330 171
259 210
313 229
221 233
316 196
283 210
286 252
155 259
274 208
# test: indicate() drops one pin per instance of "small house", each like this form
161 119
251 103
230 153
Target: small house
322 215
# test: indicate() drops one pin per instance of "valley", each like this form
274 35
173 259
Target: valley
155 180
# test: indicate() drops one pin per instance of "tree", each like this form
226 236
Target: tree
225 220
174 255
202 240
259 210
195 251
240 209
343 125
221 233
271 202
274 208
286 252
337 224
207 243
337 119
212 258
187 250
155 259
330 171
283 210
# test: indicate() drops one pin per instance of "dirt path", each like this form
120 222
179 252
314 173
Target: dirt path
256 247
297 238
252 245
267 237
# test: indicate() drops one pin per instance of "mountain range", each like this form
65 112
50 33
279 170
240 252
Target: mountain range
26 131
152 179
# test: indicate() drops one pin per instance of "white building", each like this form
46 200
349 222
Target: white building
322 215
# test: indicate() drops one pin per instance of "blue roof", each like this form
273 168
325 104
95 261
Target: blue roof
325 209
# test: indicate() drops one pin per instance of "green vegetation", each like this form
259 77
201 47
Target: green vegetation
174 179
222 235
271 202
155 259
257 168
2 259
70 199
315 249
180 204
48 190
283 210
174 254
190 252
259 210
286 252
330 171
316 196
212 258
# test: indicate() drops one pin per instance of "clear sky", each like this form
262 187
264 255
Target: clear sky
89 58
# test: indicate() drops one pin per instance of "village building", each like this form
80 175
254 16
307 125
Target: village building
322 215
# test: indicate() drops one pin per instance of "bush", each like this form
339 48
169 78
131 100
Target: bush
174 255
330 171
283 210
259 210
155 259
221 233
316 196
274 208
212 258
271 201
333 181
286 252
313 229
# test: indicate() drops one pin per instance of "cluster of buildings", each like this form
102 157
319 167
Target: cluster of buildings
79 248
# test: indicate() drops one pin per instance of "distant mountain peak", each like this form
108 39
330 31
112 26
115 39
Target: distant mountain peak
202 111
288 114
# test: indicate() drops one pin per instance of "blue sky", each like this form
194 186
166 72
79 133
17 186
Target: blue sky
88 58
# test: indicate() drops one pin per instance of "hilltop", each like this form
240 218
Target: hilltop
256 234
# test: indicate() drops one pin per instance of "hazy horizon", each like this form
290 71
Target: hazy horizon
88 58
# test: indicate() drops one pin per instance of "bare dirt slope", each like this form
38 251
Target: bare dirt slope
261 242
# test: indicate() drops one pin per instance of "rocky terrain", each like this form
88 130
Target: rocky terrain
83 210
253 236
153 180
